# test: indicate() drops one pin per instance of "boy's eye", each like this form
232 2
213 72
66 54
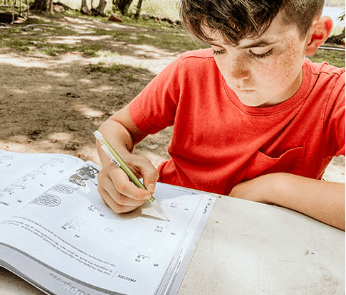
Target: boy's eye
216 52
263 55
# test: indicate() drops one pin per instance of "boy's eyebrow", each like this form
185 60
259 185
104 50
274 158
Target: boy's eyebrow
214 44
260 43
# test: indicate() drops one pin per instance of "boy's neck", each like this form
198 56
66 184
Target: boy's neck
286 94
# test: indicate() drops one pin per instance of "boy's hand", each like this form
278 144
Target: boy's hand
118 192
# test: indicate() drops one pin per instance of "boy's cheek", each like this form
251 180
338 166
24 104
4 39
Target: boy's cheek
283 71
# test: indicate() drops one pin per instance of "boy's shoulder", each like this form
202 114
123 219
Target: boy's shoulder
326 78
194 62
201 53
197 61
325 69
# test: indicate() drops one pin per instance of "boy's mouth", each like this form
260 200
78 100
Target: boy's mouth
243 90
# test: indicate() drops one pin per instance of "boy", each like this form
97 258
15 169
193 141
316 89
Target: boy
252 117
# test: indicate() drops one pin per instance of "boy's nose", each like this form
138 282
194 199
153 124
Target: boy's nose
238 69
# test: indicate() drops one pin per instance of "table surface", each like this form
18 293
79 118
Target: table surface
252 248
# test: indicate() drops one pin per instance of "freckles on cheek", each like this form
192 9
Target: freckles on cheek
285 68
271 74
292 60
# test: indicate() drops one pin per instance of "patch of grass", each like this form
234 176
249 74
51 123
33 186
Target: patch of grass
172 40
131 77
91 49
59 31
116 68
22 44
37 31
107 54
56 49
78 14
333 57
34 21
146 23
31 42
43 30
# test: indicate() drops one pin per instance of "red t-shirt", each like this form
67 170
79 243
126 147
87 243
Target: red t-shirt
218 142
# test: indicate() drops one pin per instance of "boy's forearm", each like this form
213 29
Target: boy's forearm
324 201
118 136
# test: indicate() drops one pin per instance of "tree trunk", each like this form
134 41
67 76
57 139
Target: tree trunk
12 12
123 5
101 8
84 8
138 10
50 6
40 5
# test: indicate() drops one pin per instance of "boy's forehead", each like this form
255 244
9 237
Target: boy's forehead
276 32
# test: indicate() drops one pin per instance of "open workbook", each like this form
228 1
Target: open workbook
57 233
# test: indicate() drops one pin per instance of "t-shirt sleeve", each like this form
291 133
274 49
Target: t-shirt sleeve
155 107
335 118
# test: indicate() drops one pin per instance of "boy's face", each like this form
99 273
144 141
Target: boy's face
264 71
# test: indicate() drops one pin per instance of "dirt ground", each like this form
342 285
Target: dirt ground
54 103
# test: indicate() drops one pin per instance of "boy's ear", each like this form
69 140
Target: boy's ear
318 34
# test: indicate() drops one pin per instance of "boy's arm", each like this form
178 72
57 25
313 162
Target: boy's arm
121 133
324 201
114 186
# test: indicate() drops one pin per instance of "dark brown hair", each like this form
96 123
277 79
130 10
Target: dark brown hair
239 19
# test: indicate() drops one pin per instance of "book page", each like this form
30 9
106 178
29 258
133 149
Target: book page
70 230
24 175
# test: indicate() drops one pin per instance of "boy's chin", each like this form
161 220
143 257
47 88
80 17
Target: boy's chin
250 100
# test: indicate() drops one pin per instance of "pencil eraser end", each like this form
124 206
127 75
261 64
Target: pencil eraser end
98 135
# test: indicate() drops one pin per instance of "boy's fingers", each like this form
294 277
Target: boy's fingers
142 167
150 176
123 186
119 198
117 208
